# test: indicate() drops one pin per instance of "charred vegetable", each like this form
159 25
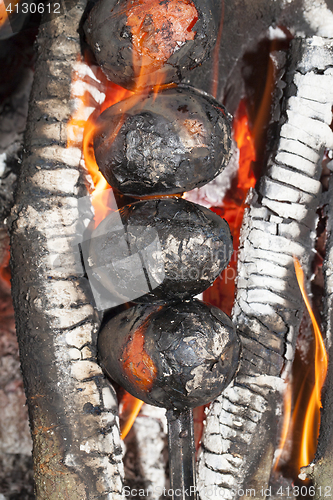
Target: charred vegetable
159 250
145 42
176 356
169 142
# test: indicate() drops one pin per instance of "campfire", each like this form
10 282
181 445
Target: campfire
267 178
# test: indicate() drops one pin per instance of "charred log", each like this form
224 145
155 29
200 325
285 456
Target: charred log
73 412
268 305
146 455
16 477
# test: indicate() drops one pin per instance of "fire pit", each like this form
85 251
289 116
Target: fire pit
72 406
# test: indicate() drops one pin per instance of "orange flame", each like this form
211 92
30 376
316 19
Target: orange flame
79 122
312 417
304 452
222 292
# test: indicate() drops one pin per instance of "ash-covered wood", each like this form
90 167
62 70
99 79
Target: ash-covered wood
156 251
176 356
164 143
146 42
279 224
13 112
77 451
320 470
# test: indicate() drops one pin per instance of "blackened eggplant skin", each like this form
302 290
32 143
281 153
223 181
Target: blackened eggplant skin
110 36
158 250
165 143
174 356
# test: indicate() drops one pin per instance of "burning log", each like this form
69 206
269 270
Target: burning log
73 411
268 301
141 43
166 143
157 251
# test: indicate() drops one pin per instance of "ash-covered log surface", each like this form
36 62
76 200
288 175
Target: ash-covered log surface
176 356
163 143
77 451
278 225
157 251
140 43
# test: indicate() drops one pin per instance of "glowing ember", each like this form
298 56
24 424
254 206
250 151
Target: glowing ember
312 417
5 271
232 210
3 13
158 29
137 364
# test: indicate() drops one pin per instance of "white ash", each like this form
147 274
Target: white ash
213 193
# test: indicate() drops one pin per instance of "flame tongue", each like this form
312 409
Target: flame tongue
312 416
309 419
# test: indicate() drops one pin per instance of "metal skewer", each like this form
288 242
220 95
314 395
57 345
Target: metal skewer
182 454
